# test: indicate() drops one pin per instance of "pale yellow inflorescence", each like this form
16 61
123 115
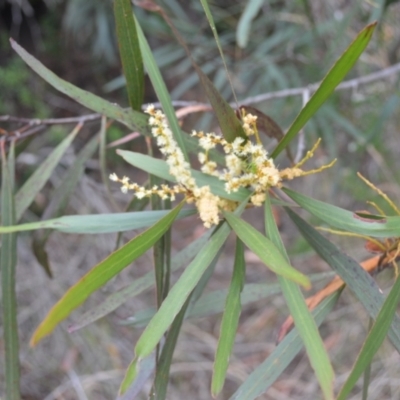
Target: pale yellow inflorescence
247 165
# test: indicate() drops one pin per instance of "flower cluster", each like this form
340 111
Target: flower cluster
247 166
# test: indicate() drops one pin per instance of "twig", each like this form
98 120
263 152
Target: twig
51 121
301 146
303 91
350 84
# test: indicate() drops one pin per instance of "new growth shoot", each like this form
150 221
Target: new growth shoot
247 166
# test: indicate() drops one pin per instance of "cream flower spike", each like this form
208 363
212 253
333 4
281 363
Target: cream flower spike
247 166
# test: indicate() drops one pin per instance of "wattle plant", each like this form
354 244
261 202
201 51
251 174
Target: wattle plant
242 175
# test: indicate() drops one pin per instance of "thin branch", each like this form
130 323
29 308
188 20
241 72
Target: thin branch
301 146
350 84
303 91
51 121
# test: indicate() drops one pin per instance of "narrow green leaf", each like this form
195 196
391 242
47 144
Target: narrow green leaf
105 176
210 19
374 339
269 371
265 250
129 50
59 200
161 380
132 119
113 301
230 125
179 293
60 196
98 223
160 168
214 302
230 321
181 290
246 19
161 89
346 220
302 317
136 377
358 280
37 180
201 285
8 263
102 273
338 72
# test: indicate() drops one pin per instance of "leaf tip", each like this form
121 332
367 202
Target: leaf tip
365 216
307 284
34 341
14 45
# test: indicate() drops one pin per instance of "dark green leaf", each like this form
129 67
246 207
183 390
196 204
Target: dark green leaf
374 339
37 180
338 72
129 50
161 380
358 280
8 263
59 200
269 371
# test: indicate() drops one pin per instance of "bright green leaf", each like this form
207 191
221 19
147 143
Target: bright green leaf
338 72
118 298
230 321
374 339
181 290
102 273
136 376
265 250
161 89
303 320
346 220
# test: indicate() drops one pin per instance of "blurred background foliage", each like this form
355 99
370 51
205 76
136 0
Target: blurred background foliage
269 45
